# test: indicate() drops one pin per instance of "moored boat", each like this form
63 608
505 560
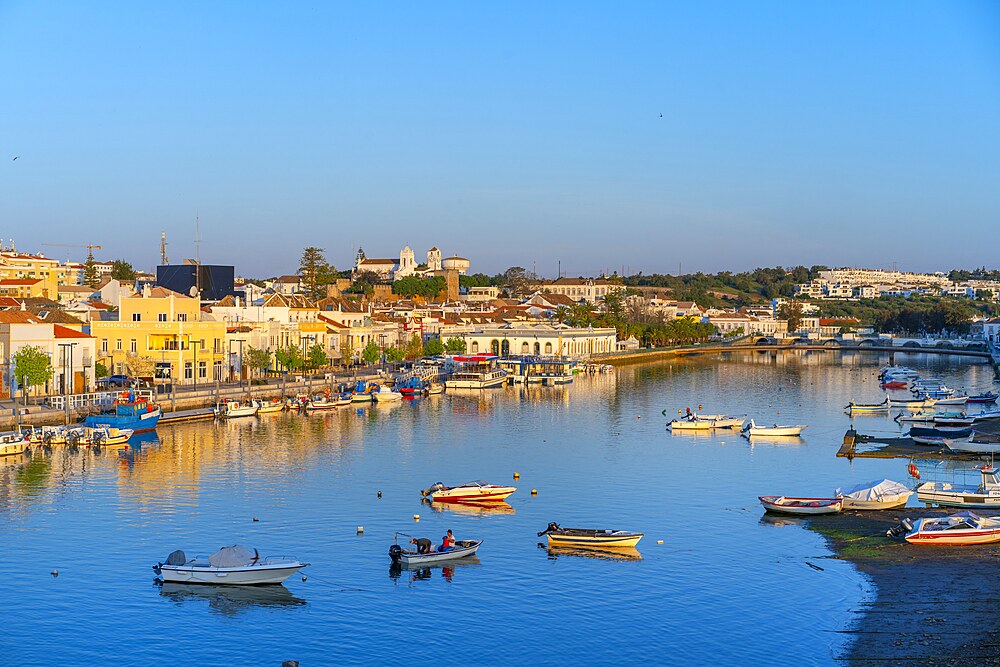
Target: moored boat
753 429
387 395
804 506
589 537
476 491
868 407
976 443
435 388
363 391
275 405
233 566
983 398
985 494
233 409
878 495
101 436
476 372
963 528
132 409
14 444
938 437
462 549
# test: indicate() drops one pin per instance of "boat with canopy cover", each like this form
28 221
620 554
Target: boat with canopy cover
235 565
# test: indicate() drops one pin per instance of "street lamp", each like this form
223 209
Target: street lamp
195 344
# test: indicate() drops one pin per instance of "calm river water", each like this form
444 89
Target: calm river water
725 587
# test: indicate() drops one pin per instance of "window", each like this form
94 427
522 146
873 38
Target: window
187 370
475 347
137 317
133 346
202 369
104 345
548 348
182 317
524 347
118 344
161 317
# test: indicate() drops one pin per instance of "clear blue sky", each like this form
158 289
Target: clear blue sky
842 133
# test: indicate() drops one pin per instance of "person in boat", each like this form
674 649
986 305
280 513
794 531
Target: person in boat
424 545
447 542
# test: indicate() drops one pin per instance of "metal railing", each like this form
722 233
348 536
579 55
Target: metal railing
100 399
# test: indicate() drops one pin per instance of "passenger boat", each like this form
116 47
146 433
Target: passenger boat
477 491
233 409
231 566
476 372
883 494
589 537
14 444
386 395
853 407
963 528
752 429
101 436
986 494
805 506
462 549
985 397
132 409
272 406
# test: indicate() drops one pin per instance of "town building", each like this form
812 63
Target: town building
72 353
541 339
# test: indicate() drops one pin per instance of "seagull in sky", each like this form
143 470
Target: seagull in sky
15 157
661 116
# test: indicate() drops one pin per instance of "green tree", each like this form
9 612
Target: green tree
32 367
414 348
257 359
372 353
411 286
122 270
289 357
90 277
433 347
454 345
317 356
791 311
364 283
393 354
315 273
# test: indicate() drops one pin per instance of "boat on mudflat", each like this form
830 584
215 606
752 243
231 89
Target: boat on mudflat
802 506
589 537
963 528
883 494
752 429
131 409
477 491
231 566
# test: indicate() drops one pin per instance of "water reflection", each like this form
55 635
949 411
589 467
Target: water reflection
473 509
779 521
425 572
776 440
607 553
231 600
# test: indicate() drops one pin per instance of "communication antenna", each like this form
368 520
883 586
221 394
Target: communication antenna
163 249
197 254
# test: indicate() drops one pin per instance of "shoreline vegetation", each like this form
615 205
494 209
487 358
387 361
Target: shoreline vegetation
931 606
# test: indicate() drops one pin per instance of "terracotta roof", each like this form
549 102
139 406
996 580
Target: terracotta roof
376 261
18 317
160 293
66 332
288 279
12 282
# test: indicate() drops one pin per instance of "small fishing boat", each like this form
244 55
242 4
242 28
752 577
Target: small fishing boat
97 437
131 409
930 417
589 537
986 494
476 491
951 400
963 528
721 421
894 384
47 435
883 494
752 429
326 402
462 549
977 443
985 397
363 392
435 388
387 395
232 566
275 405
898 371
410 387
690 424
233 409
853 407
14 444
938 437
986 414
910 404
787 505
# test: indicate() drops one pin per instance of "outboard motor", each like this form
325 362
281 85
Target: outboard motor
900 531
395 551
552 526
438 486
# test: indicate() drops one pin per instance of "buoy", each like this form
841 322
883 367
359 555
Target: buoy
304 577
256 519
638 416
659 541
379 494
361 530
55 573
534 492
699 406
416 517
678 410
517 475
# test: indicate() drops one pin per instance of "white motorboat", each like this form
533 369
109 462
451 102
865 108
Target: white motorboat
752 429
386 395
986 494
879 495
976 443
232 409
951 400
462 549
963 528
14 444
470 492
232 566
788 505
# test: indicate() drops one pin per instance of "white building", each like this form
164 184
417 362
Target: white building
545 340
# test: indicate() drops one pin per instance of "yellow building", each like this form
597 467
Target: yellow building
22 289
164 327
19 266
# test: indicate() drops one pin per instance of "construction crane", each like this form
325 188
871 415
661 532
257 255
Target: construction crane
90 248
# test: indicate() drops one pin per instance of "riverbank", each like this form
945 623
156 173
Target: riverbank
933 605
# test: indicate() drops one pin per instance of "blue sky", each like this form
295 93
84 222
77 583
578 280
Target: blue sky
841 133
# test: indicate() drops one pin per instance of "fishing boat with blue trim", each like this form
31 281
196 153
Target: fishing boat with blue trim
133 410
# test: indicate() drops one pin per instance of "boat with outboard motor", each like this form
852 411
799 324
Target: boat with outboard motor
387 395
961 529
233 566
940 436
462 549
100 436
133 409
363 391
753 429
589 537
272 406
477 491
14 444
983 398
233 409
976 443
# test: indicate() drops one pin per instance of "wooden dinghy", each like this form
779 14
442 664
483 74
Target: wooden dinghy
801 506
589 537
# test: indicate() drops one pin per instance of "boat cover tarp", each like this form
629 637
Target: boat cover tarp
234 556
875 490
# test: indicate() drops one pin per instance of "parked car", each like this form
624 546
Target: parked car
118 381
